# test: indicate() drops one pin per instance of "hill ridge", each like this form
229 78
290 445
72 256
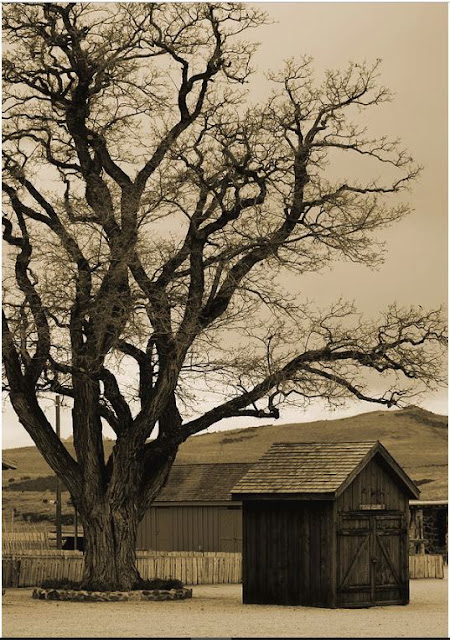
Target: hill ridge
416 438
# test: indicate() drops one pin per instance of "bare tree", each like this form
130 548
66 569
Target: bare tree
150 216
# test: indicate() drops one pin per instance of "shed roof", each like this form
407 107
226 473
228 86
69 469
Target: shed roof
8 464
202 482
320 468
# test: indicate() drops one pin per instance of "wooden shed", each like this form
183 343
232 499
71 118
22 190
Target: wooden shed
325 524
194 511
8 464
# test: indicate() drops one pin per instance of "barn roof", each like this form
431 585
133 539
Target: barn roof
315 468
428 503
8 464
202 482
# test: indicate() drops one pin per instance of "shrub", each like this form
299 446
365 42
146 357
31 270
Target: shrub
31 516
41 483
67 518
159 583
62 583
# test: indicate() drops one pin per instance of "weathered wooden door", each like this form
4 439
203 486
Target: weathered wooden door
164 525
372 560
230 530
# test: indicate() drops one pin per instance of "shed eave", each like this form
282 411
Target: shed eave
428 503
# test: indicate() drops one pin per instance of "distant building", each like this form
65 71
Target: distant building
194 511
428 527
7 464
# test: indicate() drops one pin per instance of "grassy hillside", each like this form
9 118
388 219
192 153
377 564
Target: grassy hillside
416 438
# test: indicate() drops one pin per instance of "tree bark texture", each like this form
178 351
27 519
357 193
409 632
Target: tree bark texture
110 520
110 548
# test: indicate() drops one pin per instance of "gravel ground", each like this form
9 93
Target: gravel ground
216 611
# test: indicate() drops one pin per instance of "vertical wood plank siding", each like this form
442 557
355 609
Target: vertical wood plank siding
379 539
374 480
325 551
191 528
287 557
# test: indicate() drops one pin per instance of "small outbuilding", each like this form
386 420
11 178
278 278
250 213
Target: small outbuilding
194 511
326 525
428 527
8 464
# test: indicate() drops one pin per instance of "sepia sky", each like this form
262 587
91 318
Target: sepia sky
411 40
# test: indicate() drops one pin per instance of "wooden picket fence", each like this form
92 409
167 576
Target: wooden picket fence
194 567
23 541
32 568
426 566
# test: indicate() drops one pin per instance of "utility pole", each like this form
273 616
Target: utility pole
58 481
75 528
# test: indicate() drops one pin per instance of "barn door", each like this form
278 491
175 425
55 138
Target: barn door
353 562
389 560
230 530
164 524
371 560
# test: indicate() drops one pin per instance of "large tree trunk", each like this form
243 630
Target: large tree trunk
110 548
110 520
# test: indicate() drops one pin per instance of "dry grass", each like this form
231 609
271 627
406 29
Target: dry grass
26 510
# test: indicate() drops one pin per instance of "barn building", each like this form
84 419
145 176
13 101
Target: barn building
194 511
428 527
8 464
325 524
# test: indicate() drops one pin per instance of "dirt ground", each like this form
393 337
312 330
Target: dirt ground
216 611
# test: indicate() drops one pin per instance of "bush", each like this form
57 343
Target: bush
41 483
31 516
62 583
67 518
158 583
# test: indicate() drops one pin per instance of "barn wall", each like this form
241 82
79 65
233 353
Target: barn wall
428 526
191 528
374 485
288 553
435 524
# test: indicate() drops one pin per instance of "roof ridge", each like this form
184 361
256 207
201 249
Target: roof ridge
207 464
337 442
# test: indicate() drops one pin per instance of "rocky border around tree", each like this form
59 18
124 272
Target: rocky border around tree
79 595
149 589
